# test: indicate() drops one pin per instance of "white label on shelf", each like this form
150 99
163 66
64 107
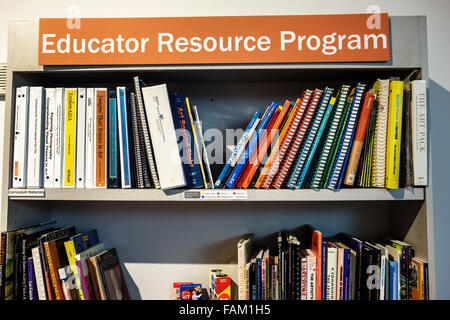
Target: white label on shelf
215 194
26 193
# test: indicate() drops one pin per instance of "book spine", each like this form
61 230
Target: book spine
70 134
23 288
393 280
145 133
36 141
304 279
383 277
138 152
263 279
101 146
125 169
299 110
19 169
331 273
89 140
252 144
324 271
81 140
113 149
242 140
419 132
32 294
39 278
49 152
358 142
311 289
82 276
2 265
53 263
59 138
346 282
394 134
70 251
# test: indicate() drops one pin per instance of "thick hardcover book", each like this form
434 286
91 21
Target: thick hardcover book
81 139
394 137
101 138
162 132
19 173
113 280
49 136
419 132
185 140
124 139
113 142
144 121
90 138
244 249
35 154
70 137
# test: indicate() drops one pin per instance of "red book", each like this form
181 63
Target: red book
272 130
289 158
316 248
358 141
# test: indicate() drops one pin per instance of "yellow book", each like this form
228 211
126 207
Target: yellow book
70 134
394 134
70 251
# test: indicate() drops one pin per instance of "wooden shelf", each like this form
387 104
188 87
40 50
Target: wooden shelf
253 195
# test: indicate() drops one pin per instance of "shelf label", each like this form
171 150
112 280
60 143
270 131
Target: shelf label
215 194
38 193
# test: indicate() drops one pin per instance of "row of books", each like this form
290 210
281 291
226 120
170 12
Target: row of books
302 265
107 138
43 262
329 138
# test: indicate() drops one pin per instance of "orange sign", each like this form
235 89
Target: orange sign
206 40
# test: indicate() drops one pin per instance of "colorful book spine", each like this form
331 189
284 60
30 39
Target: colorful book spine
323 293
419 132
251 146
101 147
359 139
346 279
70 137
393 280
32 291
71 252
220 182
113 149
320 167
124 145
306 148
346 140
299 110
393 145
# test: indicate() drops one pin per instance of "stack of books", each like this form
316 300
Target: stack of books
107 138
302 265
329 138
44 262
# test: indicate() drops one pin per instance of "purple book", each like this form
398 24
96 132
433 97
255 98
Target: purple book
84 284
356 245
32 290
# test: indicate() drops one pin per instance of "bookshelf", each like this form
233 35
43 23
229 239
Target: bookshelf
163 237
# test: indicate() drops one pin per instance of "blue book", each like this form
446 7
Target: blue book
340 161
191 168
346 274
91 238
258 275
113 167
315 145
324 270
251 146
85 240
225 171
393 280
122 109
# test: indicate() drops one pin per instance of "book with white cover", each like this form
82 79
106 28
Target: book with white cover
90 137
35 154
244 247
311 275
419 131
122 115
331 273
70 137
58 138
49 145
164 140
19 173
40 284
81 138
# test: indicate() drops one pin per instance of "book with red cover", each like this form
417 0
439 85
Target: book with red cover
299 108
289 157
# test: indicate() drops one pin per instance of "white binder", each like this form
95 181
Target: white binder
419 132
49 151
19 174
58 139
164 141
35 138
90 137
81 138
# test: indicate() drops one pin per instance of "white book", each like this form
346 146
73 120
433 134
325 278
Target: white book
331 273
35 138
100 138
90 138
49 145
419 131
122 115
81 138
164 140
244 248
311 276
19 169
70 137
40 284
58 139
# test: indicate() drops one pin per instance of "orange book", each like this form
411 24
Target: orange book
417 281
100 138
256 160
51 251
274 151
